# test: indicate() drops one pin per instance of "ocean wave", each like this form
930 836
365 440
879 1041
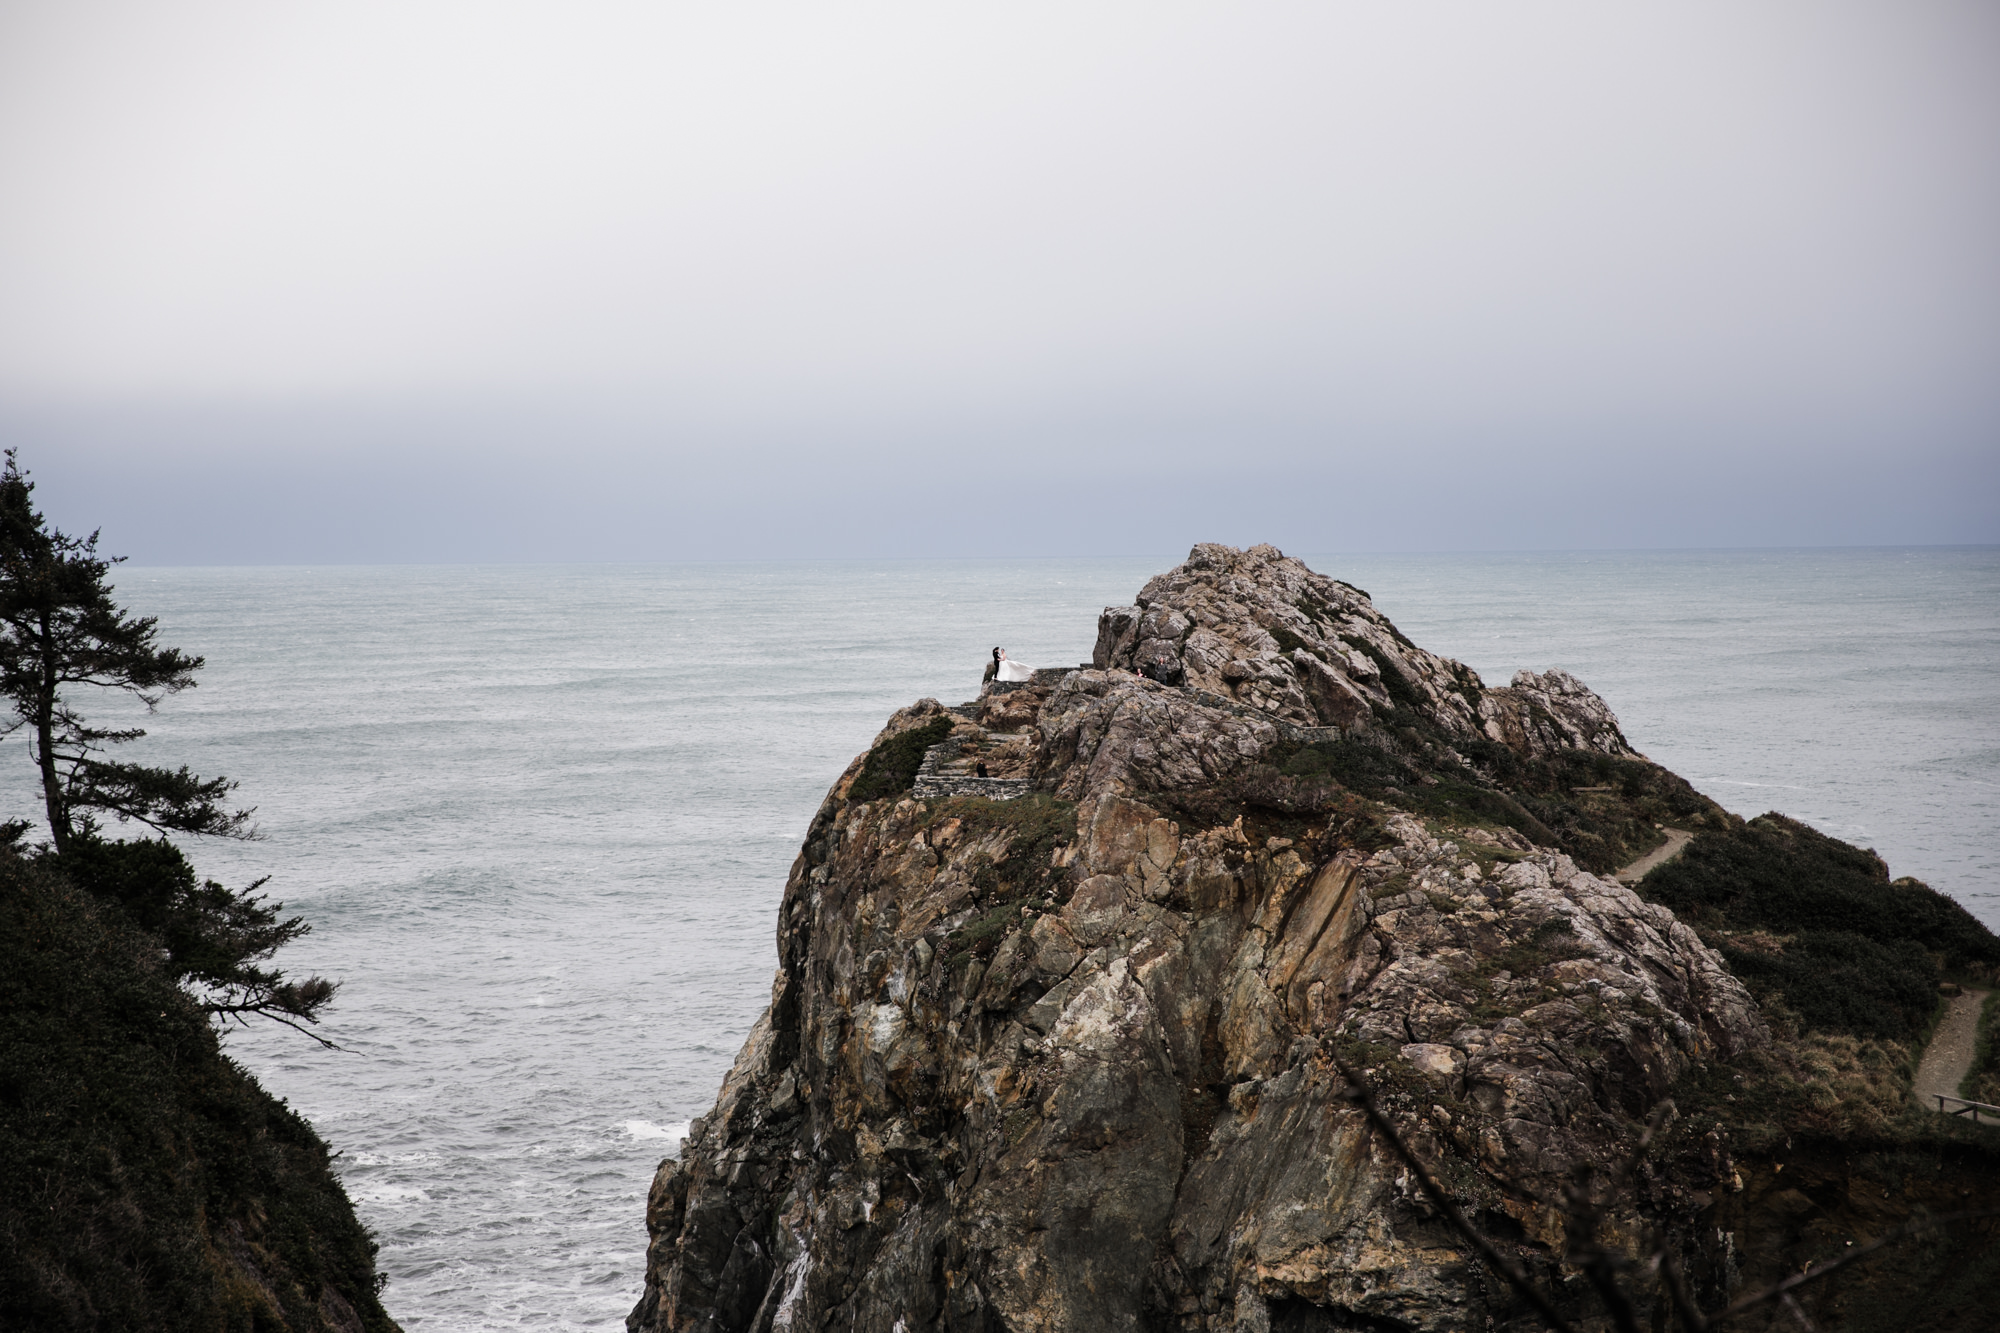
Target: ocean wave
646 1129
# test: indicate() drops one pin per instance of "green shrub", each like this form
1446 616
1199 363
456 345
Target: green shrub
1036 825
1845 947
1453 792
1415 767
1832 1087
1779 875
1550 942
1982 1081
1838 981
1273 802
982 935
135 1158
891 766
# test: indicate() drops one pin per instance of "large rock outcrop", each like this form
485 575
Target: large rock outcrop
1067 1062
1264 630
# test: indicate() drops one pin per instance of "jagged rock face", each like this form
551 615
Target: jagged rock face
1064 1063
1260 628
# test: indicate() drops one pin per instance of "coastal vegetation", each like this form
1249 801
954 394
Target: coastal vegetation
64 638
1023 875
891 766
146 1180
1829 1140
1982 1081
1603 810
1818 928
61 632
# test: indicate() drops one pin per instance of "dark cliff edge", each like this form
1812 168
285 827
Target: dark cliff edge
146 1180
1070 1061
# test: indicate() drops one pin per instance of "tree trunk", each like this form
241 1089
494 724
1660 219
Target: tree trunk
45 754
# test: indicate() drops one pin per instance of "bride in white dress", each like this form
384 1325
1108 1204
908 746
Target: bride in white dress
1005 668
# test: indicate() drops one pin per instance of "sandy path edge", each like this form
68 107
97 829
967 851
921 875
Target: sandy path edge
1676 839
1948 1058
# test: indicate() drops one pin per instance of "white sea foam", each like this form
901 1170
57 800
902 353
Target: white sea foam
646 1129
426 1158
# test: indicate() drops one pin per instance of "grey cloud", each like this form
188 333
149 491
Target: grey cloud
909 250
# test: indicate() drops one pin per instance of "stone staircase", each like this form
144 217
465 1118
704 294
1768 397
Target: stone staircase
948 771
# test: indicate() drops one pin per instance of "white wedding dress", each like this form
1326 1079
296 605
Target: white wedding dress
1013 671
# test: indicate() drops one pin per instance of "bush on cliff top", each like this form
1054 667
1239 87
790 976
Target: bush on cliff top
891 766
1838 981
1776 873
1418 769
1859 953
146 1181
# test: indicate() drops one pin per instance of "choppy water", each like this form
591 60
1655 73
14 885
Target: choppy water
540 818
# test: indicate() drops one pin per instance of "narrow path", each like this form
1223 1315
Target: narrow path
1948 1058
1676 839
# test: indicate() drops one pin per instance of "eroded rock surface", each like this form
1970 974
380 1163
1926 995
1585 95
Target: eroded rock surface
1264 630
1064 1062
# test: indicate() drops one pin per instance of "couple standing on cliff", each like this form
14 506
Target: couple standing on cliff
1002 668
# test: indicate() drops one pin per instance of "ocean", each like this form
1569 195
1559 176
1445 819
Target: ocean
540 817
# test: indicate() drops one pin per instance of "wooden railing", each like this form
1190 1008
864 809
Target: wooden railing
1973 1109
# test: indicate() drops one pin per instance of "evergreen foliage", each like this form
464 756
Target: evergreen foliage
1820 924
1777 873
216 940
146 1181
891 767
1839 981
61 633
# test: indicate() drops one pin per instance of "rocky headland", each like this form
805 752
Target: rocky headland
1065 1051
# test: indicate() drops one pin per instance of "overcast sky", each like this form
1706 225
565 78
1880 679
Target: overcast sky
427 281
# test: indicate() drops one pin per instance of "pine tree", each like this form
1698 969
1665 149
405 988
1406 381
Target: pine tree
61 634
62 639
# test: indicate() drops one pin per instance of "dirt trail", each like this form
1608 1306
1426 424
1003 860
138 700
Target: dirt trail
1676 839
1948 1058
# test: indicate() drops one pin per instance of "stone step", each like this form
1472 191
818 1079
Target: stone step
952 784
943 774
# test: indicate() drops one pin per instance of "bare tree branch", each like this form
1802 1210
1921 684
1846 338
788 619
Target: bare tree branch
1783 1290
237 1012
1677 1291
1364 1097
